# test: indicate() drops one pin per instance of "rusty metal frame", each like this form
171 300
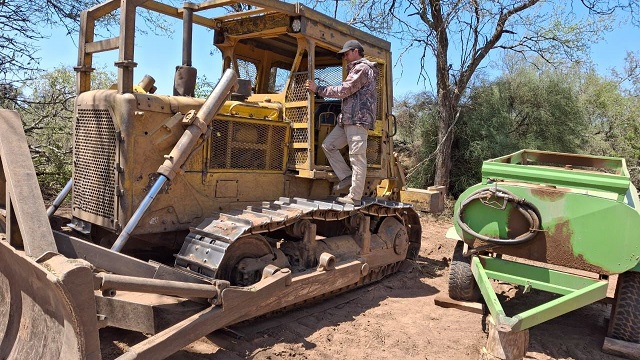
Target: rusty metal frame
118 263
273 292
49 310
612 174
125 40
26 219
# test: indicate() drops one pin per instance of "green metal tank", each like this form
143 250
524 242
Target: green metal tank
588 210
551 213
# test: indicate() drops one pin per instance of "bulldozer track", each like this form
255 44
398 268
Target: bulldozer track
206 244
228 226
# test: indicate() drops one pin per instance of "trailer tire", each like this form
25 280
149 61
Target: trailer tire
462 284
625 313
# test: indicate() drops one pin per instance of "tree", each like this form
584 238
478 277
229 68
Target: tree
417 120
461 34
530 105
613 113
599 7
204 87
47 115
527 107
22 25
629 77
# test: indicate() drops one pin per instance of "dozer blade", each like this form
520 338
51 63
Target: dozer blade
47 306
27 225
46 311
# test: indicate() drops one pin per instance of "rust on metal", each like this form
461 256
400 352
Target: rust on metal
27 222
547 193
556 249
588 163
48 311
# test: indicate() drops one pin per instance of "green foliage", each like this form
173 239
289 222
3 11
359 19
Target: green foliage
204 87
525 109
47 115
528 107
23 23
613 121
415 140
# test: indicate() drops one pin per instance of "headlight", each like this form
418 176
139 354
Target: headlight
296 25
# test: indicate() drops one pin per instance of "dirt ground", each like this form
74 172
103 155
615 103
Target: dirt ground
395 318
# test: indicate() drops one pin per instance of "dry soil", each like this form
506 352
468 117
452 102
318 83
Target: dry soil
395 318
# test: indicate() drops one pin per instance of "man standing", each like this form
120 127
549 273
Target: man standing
359 104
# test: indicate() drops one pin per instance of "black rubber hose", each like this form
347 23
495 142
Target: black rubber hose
527 209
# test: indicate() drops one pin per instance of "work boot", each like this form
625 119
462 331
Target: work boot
349 200
343 184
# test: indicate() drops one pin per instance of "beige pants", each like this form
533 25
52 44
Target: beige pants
356 137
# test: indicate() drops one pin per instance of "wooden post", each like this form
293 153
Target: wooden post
621 348
504 345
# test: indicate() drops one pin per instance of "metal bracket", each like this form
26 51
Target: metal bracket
576 291
80 226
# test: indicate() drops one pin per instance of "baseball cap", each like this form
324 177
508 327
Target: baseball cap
350 45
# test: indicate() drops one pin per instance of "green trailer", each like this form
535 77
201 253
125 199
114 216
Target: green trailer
538 216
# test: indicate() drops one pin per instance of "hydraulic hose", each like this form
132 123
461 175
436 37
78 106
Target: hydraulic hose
527 209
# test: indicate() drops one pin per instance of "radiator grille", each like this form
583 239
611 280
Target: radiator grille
247 146
373 150
94 151
380 90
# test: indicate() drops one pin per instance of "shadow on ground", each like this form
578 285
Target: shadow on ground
294 326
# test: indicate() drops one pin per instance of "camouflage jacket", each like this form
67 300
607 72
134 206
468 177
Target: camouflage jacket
358 94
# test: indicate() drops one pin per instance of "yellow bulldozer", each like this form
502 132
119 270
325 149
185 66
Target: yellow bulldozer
191 214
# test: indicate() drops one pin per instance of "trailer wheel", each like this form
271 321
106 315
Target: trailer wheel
625 314
462 285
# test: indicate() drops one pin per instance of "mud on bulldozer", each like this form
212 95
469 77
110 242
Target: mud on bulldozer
189 215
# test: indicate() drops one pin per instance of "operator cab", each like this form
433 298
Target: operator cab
277 53
272 67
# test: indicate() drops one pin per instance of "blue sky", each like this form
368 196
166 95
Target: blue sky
158 56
